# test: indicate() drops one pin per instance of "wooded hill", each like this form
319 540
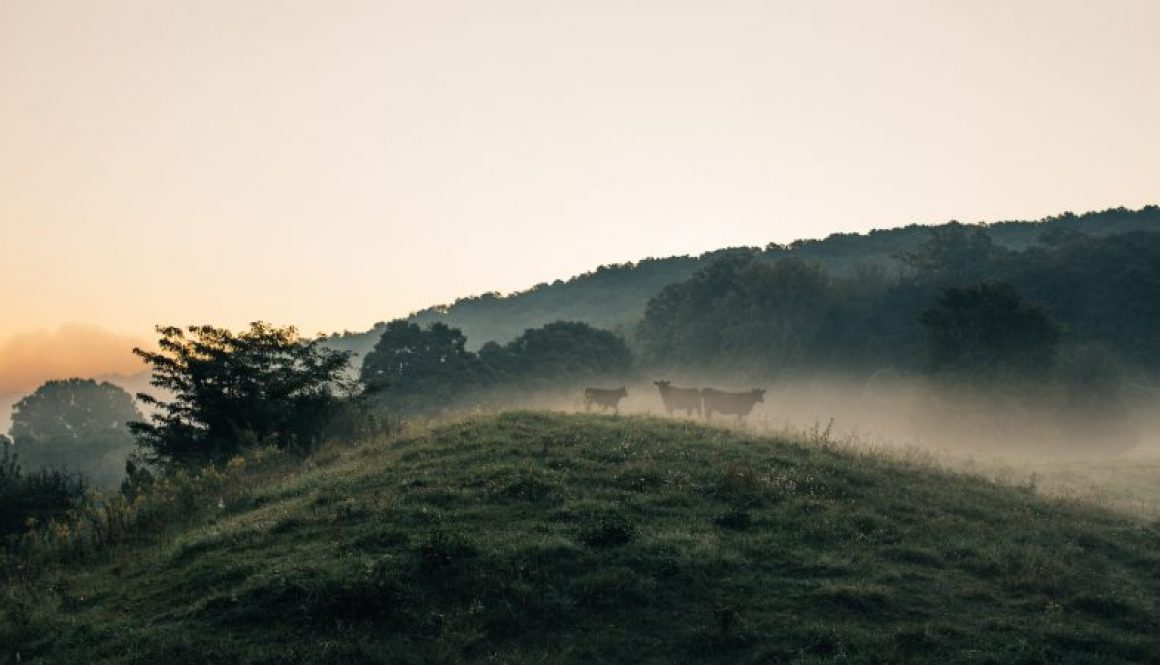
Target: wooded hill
614 296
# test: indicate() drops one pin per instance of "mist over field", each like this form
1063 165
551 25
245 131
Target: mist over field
579 333
949 426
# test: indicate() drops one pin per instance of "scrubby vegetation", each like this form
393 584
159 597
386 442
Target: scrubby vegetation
532 537
29 499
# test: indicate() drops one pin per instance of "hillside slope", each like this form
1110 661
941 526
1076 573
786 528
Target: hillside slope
530 537
614 297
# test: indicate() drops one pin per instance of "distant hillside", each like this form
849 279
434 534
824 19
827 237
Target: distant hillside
614 296
542 538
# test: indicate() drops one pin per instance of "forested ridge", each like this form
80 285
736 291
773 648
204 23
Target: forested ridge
614 297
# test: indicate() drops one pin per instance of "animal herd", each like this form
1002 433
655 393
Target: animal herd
702 401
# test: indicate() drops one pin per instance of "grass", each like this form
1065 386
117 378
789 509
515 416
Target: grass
530 537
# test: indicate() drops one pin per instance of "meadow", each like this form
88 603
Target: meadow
540 537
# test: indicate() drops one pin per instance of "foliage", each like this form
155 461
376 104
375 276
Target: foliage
411 365
78 425
748 312
614 297
562 352
27 499
230 390
92 524
421 370
611 297
412 550
1104 291
988 330
742 310
953 254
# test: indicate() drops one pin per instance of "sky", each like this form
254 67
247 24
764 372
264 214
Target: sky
333 164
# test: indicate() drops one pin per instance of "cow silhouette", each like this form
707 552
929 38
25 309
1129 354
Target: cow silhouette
679 399
603 398
731 404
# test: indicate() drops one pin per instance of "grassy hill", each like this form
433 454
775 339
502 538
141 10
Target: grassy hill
531 537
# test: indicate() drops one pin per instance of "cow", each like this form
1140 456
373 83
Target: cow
731 404
605 399
677 399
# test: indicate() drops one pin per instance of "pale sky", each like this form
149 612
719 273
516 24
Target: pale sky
333 163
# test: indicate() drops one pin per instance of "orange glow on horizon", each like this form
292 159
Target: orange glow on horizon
29 359
335 164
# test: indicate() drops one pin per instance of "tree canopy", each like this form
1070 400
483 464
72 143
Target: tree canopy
746 313
614 297
265 384
561 352
415 369
411 365
988 329
76 424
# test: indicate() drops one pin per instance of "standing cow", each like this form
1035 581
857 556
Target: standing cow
605 399
731 404
678 399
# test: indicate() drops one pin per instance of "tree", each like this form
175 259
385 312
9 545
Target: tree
987 330
954 254
748 314
76 424
265 384
559 352
410 366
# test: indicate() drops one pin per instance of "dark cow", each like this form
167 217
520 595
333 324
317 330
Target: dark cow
605 399
731 404
678 399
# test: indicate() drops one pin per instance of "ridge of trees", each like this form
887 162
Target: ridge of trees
771 315
614 296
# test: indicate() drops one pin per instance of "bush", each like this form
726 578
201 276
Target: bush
30 499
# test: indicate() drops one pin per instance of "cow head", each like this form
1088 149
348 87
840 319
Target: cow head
759 394
662 384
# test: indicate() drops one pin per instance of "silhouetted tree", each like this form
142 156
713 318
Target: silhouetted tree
558 353
411 366
266 384
987 329
76 424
